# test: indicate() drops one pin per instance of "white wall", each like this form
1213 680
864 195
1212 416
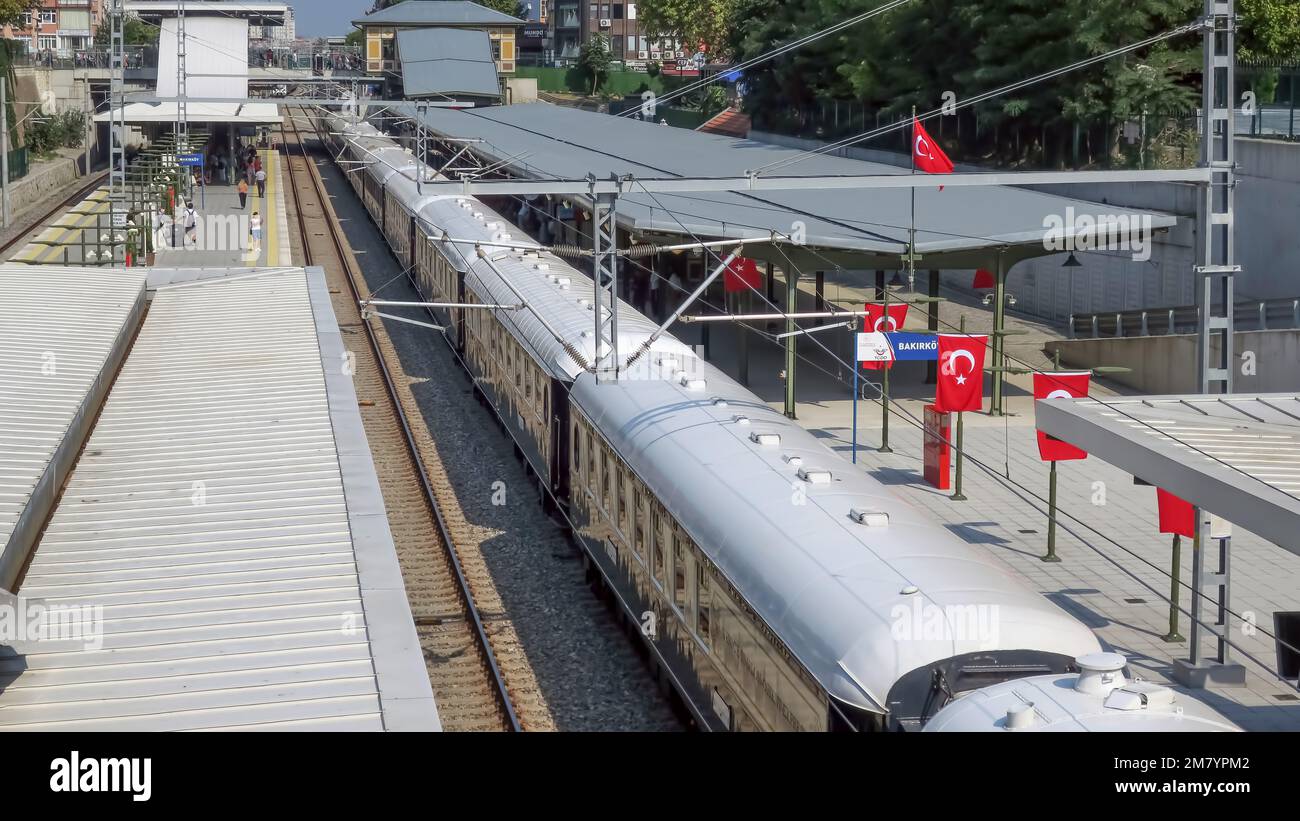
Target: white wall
213 45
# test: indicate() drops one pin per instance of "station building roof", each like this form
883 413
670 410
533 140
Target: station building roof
215 113
437 13
63 334
226 516
1237 456
958 227
447 61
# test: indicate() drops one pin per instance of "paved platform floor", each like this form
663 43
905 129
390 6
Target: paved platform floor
1114 570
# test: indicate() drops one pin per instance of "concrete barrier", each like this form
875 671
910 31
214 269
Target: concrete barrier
1167 364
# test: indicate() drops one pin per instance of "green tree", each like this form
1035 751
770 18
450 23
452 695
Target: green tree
1269 29
355 39
594 59
690 22
11 11
135 32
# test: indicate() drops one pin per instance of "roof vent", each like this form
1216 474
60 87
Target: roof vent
719 402
910 590
584 302
870 518
478 215
692 384
494 225
1020 717
765 439
1140 695
1100 673
815 476
542 266
501 236
740 420
794 461
563 282
669 362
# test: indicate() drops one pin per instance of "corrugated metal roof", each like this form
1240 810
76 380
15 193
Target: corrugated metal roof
226 516
447 61
63 332
1237 456
965 225
438 13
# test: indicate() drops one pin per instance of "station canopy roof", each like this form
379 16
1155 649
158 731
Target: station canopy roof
1237 456
958 227
447 61
214 113
257 14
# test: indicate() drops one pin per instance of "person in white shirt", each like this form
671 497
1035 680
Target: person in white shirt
261 183
255 230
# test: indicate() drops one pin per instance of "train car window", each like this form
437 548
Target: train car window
638 510
703 604
577 450
679 573
592 477
607 487
623 490
657 550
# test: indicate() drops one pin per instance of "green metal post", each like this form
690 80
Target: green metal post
1173 635
791 307
999 319
1051 516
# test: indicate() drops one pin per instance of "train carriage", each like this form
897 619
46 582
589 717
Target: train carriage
775 586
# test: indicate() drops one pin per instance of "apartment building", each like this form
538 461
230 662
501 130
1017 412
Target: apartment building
59 26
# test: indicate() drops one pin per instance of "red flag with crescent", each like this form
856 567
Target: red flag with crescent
961 373
926 153
1056 386
1176 515
876 320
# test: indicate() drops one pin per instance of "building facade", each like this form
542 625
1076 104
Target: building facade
60 27
382 26
573 22
275 35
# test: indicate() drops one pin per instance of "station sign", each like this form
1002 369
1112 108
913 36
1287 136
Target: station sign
189 160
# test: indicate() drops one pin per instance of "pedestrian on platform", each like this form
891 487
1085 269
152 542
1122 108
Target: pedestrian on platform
255 231
191 225
261 183
243 194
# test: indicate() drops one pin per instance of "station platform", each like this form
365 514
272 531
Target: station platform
1115 563
222 536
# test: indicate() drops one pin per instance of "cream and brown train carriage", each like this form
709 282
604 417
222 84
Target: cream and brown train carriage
775 585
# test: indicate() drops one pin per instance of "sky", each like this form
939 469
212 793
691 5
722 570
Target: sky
325 18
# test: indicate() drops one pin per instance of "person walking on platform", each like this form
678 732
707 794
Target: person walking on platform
191 225
243 194
261 183
255 231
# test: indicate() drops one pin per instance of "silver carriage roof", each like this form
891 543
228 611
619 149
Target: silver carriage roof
828 590
837 592
552 287
1089 701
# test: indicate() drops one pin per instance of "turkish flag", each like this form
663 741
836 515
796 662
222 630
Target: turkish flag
876 321
961 373
1052 386
926 153
741 275
1176 515
983 279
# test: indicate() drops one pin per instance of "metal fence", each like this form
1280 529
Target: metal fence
1253 315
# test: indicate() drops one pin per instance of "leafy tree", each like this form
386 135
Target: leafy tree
691 22
355 39
135 32
1269 29
594 59
11 11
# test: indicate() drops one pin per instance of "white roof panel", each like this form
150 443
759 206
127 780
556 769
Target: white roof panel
63 332
226 518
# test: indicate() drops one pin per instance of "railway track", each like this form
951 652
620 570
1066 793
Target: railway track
19 240
468 683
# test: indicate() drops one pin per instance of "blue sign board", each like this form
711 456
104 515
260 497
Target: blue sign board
912 346
190 160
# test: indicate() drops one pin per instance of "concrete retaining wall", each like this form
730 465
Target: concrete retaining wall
1167 364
